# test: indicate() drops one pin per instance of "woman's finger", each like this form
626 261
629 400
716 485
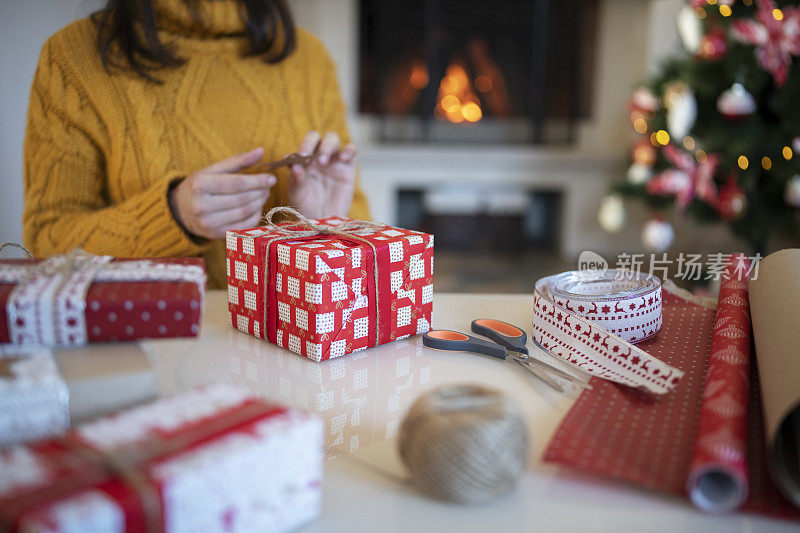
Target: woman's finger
249 222
223 219
348 153
237 162
327 147
222 202
309 144
233 183
297 175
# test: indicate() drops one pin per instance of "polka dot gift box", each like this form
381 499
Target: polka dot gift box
327 288
73 299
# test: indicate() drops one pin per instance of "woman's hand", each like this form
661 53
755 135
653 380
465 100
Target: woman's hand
216 199
325 186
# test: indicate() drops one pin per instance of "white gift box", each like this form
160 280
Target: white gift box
262 472
34 401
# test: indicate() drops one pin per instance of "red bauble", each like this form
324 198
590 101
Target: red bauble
714 46
732 200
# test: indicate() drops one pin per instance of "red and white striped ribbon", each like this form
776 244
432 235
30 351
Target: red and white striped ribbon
592 318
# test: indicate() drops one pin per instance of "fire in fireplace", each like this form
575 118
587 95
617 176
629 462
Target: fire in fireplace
477 71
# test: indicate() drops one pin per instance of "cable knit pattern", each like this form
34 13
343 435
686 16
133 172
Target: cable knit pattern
102 149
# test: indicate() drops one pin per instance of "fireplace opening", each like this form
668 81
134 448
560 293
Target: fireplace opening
488 239
480 218
505 71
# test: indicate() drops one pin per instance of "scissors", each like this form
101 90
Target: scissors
509 341
291 159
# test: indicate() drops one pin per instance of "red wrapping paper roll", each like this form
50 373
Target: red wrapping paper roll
718 479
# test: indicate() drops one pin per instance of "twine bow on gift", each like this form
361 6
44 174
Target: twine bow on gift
348 228
303 227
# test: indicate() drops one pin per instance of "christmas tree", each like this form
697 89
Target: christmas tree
720 125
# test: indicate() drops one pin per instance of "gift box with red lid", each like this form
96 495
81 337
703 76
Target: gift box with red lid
329 287
210 459
72 299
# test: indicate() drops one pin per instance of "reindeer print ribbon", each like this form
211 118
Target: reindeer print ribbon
591 319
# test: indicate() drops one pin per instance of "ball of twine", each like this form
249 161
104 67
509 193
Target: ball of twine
465 443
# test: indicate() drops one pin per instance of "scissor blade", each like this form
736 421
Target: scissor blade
542 375
531 361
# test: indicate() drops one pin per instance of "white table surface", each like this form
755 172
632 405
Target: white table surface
362 398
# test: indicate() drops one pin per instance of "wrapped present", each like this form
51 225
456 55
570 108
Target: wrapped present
34 401
326 288
43 391
210 459
72 299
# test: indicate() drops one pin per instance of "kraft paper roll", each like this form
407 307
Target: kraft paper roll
775 312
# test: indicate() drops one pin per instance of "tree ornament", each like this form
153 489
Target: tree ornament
736 102
776 38
657 234
644 152
611 214
713 45
639 174
792 191
644 101
681 110
732 200
687 178
690 29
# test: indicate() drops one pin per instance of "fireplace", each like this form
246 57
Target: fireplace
477 71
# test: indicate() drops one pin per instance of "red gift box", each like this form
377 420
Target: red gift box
330 294
73 299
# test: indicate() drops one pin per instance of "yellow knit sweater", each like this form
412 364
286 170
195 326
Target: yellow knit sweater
101 149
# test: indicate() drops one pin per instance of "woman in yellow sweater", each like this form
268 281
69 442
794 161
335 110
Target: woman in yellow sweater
144 118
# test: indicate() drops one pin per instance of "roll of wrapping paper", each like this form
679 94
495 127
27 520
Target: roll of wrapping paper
775 311
653 444
718 479
591 319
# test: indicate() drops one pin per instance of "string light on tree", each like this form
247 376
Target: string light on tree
743 162
644 153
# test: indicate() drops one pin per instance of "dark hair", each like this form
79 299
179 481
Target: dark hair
129 27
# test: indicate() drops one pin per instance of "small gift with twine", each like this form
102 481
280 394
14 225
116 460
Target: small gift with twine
78 298
326 288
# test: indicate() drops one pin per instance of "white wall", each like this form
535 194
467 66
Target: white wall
24 26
